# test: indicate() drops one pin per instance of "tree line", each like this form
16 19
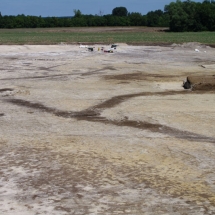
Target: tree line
154 18
191 16
178 16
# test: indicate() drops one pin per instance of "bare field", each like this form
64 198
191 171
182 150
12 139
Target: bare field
106 133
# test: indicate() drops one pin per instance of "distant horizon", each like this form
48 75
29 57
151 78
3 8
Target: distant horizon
64 8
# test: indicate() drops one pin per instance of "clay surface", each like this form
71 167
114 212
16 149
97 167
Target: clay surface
106 133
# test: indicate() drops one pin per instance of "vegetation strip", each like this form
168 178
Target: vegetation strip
178 16
135 36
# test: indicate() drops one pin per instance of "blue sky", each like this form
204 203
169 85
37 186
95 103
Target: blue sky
66 7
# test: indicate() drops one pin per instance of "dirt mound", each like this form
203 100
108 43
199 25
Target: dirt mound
205 83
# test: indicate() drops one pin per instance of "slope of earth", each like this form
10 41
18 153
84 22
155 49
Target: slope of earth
106 133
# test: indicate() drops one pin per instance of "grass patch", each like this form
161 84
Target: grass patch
98 35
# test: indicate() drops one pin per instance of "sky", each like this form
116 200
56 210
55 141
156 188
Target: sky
58 8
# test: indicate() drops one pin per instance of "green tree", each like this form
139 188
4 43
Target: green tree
178 17
120 11
157 18
95 20
152 19
206 2
77 13
190 8
191 16
79 22
206 14
110 20
136 19
20 21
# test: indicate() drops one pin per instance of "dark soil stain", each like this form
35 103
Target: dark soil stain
204 87
163 129
41 107
1 114
41 59
123 82
6 89
11 58
167 130
116 100
93 115
60 208
37 77
136 76
49 68
4 69
43 68
98 70
28 104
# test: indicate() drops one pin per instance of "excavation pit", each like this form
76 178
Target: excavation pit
202 83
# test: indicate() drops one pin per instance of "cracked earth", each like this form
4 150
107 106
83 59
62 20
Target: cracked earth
106 133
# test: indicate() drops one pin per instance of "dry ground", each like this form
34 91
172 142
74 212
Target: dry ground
106 133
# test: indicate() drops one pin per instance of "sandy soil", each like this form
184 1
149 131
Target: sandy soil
106 133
